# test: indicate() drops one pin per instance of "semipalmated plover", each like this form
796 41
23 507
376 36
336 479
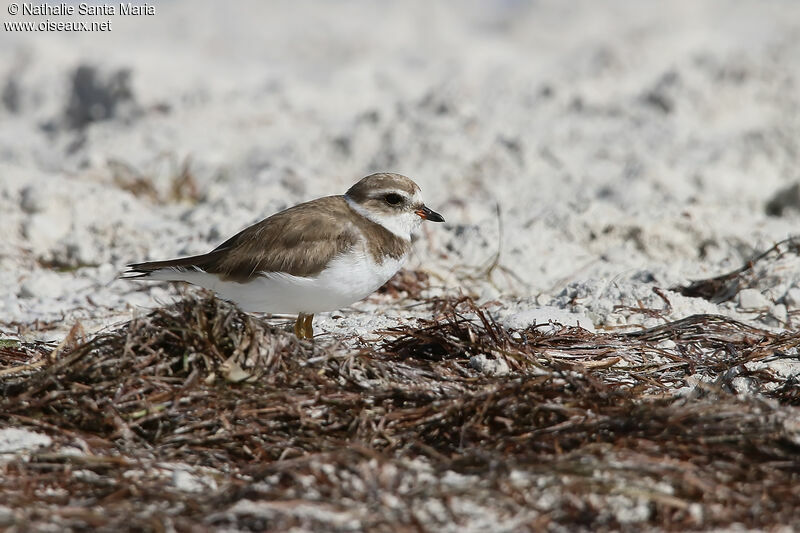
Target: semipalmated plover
314 257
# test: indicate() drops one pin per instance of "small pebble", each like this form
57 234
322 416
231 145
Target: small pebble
792 298
187 482
780 313
6 516
752 299
31 200
490 367
14 440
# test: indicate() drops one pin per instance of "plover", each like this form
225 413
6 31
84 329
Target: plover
314 257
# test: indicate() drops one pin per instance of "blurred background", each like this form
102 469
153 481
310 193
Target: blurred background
625 143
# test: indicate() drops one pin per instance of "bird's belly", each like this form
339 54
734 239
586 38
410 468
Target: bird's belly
346 280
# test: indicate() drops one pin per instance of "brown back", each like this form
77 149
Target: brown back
299 241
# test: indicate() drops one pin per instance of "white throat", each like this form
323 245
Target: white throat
401 225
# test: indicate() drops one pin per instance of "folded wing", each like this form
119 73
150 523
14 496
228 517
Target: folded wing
299 241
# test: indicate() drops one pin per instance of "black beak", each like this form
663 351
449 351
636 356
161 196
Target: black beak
429 214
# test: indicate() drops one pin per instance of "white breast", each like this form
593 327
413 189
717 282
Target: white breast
352 277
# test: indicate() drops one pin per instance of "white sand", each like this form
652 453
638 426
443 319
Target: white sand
628 145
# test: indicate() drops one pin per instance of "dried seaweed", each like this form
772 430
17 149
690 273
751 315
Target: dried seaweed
575 430
182 186
725 287
407 283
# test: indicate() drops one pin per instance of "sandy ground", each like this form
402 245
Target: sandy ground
597 150
626 147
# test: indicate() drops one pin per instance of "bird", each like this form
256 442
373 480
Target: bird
315 257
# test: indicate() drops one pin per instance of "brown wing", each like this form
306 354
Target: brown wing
299 241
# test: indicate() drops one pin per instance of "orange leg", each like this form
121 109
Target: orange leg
307 326
298 327
303 328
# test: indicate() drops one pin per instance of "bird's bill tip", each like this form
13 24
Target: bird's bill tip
428 214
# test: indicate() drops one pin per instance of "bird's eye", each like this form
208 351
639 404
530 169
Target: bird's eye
393 198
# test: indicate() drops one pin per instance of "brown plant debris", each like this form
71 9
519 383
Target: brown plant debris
199 417
406 283
725 287
182 186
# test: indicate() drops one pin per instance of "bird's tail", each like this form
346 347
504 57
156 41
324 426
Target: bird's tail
169 270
